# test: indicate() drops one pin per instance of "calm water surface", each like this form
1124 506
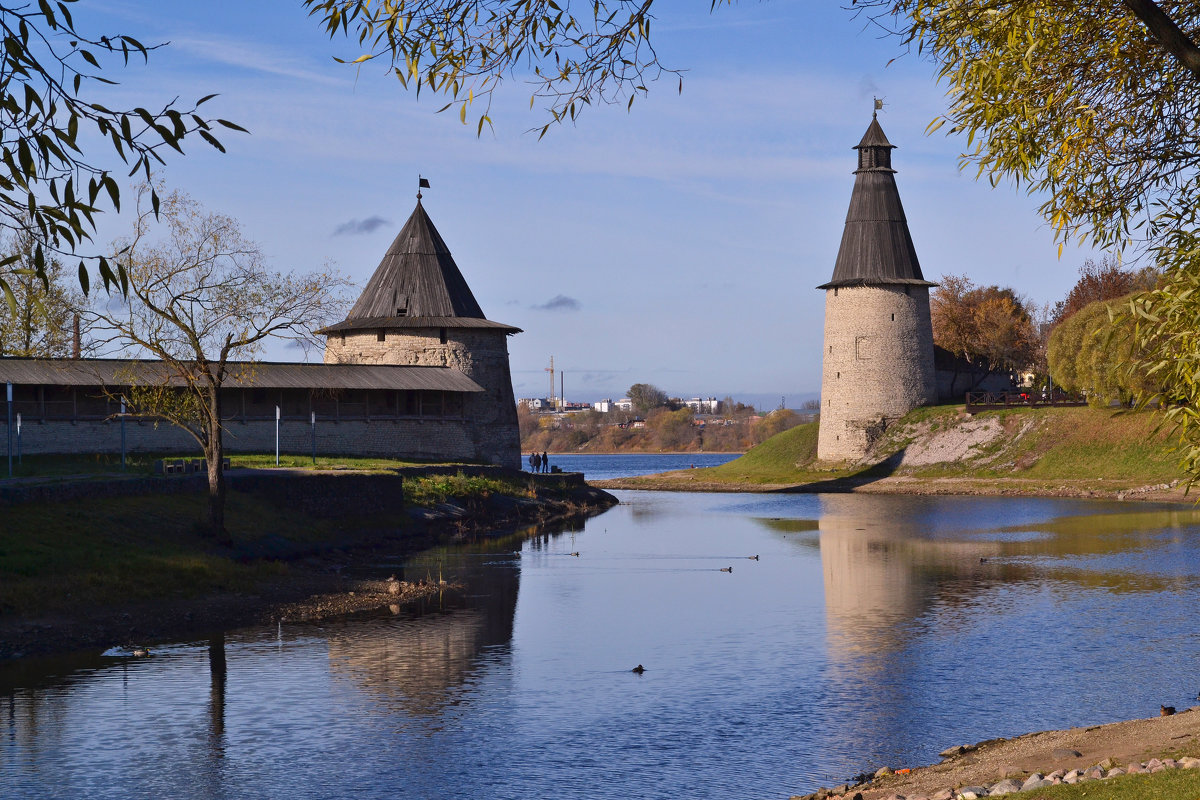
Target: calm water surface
871 631
628 465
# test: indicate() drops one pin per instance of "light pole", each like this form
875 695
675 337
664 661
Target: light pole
122 434
314 437
277 436
10 428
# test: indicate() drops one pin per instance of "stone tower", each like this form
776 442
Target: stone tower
878 354
418 310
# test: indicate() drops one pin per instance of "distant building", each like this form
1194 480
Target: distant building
624 404
878 354
537 403
603 406
704 406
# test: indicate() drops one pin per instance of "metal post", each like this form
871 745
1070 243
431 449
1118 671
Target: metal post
10 429
314 437
277 436
18 440
122 434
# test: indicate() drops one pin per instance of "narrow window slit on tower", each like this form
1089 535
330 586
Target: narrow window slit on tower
381 335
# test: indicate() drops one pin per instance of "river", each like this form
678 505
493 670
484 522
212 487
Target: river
870 631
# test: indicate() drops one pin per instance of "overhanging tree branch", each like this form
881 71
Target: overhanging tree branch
1169 35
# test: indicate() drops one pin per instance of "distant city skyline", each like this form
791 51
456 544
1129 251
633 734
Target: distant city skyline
679 243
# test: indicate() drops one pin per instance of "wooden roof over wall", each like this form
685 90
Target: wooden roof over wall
242 375
876 248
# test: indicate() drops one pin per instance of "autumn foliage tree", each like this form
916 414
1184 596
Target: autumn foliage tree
1102 280
989 326
39 320
1093 352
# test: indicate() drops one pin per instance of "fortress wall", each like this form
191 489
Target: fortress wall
481 355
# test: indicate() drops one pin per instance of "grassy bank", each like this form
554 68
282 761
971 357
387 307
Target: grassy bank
1071 447
82 555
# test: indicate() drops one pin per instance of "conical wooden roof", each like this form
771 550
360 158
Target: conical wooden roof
417 284
876 248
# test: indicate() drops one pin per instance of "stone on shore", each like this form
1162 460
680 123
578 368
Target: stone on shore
1006 786
1063 753
1035 781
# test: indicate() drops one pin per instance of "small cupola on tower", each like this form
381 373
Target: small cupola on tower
878 349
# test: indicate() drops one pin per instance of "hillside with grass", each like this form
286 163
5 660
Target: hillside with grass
1116 452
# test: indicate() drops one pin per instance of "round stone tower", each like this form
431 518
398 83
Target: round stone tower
878 353
417 310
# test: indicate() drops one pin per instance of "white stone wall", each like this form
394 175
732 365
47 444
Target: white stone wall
877 364
480 354
400 438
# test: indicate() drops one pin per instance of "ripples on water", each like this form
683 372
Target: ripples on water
871 631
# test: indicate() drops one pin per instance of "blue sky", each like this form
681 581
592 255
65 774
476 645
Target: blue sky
677 244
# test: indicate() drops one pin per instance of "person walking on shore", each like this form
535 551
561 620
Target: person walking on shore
535 462
545 461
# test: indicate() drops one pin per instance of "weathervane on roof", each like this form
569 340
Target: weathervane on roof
423 183
878 107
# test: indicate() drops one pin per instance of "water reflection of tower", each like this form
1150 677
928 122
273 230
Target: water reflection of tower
418 661
882 571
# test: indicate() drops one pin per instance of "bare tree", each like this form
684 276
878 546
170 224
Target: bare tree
199 298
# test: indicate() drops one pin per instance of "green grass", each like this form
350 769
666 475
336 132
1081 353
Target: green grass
1175 784
104 464
785 458
1076 444
106 551
432 489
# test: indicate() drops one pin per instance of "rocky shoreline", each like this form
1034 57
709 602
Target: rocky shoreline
1037 760
315 584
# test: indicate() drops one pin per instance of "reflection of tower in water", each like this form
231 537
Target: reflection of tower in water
883 571
417 661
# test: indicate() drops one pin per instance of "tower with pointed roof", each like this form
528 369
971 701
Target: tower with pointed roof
877 362
417 309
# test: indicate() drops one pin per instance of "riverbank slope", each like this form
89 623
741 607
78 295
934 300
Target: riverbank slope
1062 452
101 570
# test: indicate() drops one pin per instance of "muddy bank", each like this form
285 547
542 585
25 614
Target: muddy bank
305 579
1100 489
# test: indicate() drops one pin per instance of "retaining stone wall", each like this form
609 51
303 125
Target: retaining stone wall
423 438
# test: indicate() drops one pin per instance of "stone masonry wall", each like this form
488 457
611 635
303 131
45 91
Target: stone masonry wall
481 355
423 438
877 364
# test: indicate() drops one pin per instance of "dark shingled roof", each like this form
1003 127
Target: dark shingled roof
242 375
417 278
877 249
